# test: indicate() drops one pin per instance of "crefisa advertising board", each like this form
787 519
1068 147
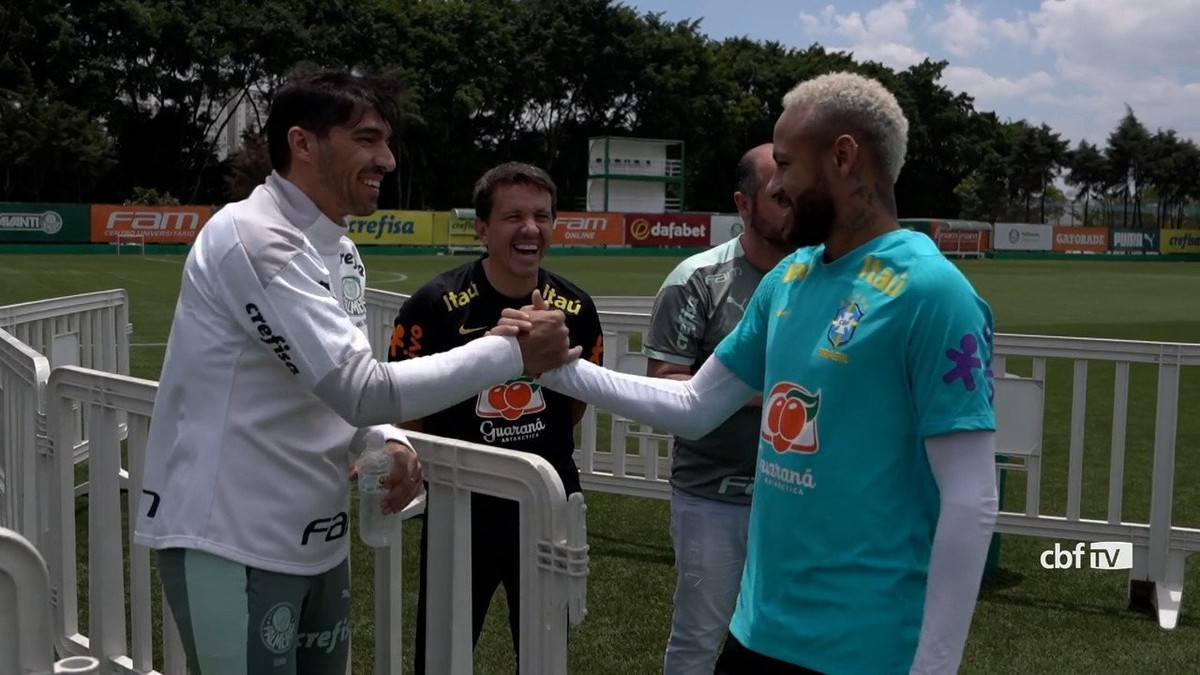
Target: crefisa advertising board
390 227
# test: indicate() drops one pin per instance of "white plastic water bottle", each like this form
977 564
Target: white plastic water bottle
373 525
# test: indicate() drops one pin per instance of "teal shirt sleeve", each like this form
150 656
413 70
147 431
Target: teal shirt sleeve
949 355
744 351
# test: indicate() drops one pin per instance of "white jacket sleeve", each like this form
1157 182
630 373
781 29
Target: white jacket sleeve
688 409
289 313
964 466
375 436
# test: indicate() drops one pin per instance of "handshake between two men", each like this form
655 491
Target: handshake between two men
542 333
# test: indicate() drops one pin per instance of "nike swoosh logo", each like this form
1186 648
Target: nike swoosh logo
782 312
463 330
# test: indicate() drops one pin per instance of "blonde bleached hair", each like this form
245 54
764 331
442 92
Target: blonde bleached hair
850 102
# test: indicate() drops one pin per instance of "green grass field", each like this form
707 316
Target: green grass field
1028 620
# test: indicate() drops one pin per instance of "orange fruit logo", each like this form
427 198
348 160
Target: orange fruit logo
511 399
790 418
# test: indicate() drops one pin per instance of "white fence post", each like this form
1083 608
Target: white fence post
23 374
26 633
553 557
1165 563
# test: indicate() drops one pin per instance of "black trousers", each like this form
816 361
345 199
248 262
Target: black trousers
495 560
736 659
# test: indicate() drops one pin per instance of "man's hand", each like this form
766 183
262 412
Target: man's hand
544 338
512 323
404 483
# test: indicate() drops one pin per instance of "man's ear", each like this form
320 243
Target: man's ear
302 143
481 231
742 202
846 155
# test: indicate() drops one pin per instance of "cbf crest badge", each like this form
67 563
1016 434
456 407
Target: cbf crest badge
841 330
845 322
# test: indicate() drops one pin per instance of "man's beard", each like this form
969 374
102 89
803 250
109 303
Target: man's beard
774 236
813 214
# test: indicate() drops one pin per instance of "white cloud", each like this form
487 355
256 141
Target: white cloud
1117 37
891 54
1072 64
886 23
990 91
1143 54
963 30
881 34
1017 31
812 23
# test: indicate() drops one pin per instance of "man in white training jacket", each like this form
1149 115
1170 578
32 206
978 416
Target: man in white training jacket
875 493
269 386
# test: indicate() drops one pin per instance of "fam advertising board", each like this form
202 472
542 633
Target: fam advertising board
573 228
148 224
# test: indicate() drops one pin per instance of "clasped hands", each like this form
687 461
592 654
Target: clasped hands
541 333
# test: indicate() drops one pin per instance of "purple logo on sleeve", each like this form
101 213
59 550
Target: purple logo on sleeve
965 362
969 356
988 374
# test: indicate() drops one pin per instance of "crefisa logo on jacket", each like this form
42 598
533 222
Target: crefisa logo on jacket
790 422
508 402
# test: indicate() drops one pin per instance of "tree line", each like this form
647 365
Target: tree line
119 101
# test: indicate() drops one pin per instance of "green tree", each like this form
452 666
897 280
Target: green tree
49 149
1173 172
944 142
1128 155
1086 171
1038 154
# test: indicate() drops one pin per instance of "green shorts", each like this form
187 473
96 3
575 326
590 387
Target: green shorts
238 620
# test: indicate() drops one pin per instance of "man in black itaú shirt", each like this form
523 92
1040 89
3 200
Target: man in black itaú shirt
514 216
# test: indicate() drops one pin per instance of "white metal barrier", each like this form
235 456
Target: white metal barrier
26 635
23 374
637 459
553 563
89 330
553 559
1160 547
104 398
381 316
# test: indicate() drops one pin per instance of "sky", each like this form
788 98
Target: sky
1071 64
